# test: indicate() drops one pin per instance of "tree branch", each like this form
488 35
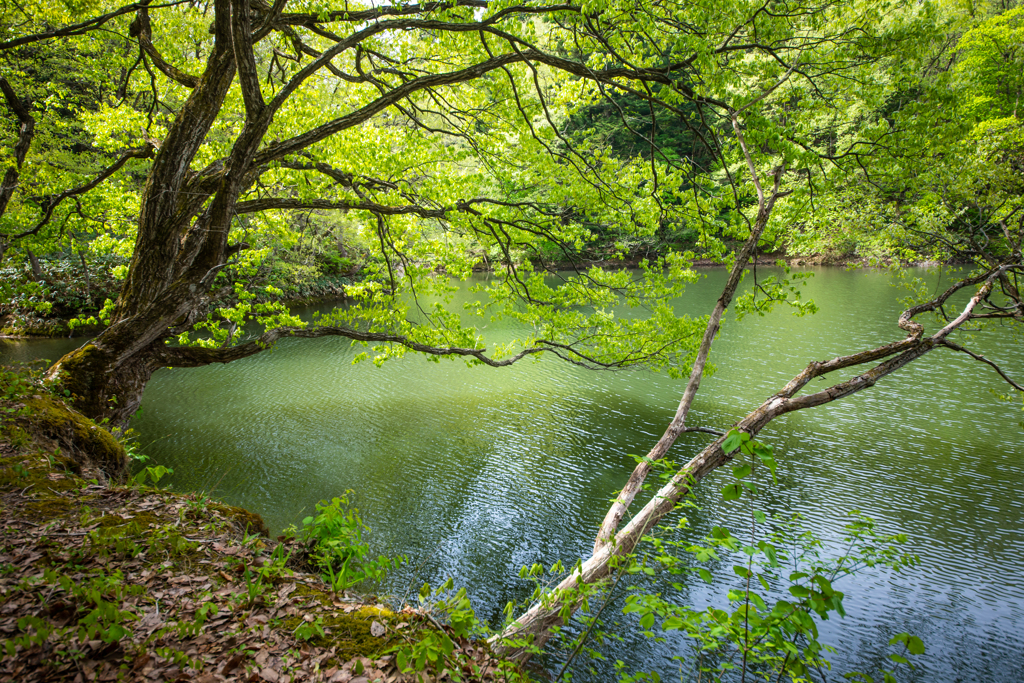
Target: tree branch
87 25
245 60
986 361
548 611
191 356
255 205
26 131
633 485
145 152
144 32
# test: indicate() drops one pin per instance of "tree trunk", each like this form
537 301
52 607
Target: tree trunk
85 274
37 271
100 386
177 252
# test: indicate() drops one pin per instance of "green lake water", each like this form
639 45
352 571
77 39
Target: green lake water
475 472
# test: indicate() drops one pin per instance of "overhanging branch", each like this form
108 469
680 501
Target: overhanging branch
986 361
87 25
54 201
144 31
190 356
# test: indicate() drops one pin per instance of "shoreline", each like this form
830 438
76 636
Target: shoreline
58 328
109 579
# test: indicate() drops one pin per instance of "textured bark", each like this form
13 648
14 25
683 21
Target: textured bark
99 387
26 131
37 271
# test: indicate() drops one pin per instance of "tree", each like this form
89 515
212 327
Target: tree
344 109
959 199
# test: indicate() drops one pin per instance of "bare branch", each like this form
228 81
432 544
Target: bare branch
188 356
986 361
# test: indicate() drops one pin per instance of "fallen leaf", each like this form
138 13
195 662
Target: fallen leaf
232 664
377 629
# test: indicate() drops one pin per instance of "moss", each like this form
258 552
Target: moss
348 633
373 611
79 437
137 525
31 472
244 521
47 508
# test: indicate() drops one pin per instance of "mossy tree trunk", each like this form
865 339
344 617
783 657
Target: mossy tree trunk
183 229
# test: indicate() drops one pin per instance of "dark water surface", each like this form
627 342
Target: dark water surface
475 472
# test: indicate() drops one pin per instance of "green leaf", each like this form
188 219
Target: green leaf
706 575
824 584
733 440
769 551
741 571
731 492
741 471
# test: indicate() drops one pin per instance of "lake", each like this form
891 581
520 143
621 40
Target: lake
475 472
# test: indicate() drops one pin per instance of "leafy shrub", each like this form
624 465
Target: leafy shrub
332 542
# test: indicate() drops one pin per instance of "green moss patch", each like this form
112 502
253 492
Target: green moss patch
79 437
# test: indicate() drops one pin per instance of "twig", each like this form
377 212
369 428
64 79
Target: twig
986 361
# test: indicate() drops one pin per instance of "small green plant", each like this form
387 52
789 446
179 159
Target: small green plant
257 583
785 582
307 630
254 587
154 474
129 440
433 649
333 542
195 627
96 602
114 542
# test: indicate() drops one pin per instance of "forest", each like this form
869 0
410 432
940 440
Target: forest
181 177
